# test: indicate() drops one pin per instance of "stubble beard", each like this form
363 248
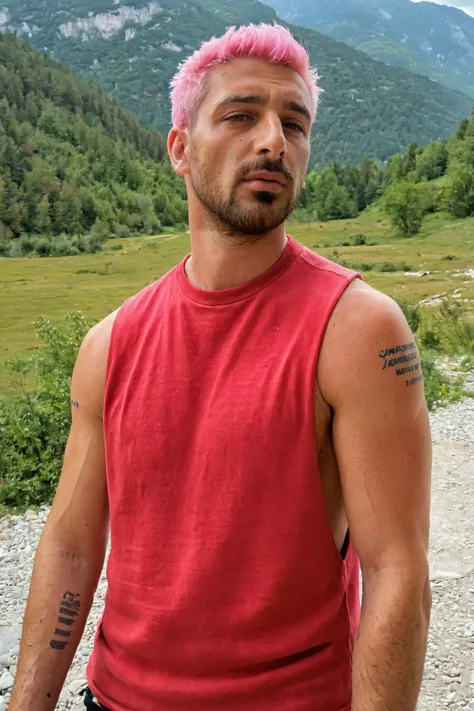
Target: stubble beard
236 220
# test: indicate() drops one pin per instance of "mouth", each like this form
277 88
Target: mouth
264 180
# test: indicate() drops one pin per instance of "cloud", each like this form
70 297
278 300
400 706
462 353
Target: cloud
466 5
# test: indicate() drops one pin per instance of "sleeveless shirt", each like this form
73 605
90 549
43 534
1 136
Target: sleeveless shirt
226 591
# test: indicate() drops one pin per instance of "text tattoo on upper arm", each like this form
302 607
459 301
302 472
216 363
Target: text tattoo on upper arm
406 361
68 611
74 403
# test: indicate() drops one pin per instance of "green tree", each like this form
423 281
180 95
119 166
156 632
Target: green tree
404 203
42 221
461 191
68 211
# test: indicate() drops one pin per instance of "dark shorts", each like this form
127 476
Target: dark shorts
90 702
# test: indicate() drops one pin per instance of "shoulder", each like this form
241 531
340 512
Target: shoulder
320 264
364 325
89 376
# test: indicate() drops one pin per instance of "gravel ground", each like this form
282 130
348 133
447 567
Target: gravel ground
449 670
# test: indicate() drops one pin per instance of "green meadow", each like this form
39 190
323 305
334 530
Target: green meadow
96 284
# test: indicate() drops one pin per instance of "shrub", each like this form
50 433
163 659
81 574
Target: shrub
454 329
27 244
394 267
430 339
43 247
34 426
359 239
436 384
412 314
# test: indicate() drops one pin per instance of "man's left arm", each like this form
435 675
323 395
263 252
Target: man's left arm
382 441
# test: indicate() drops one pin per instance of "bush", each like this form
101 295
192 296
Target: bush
412 314
34 426
430 339
360 239
43 247
455 331
61 246
394 267
27 244
436 384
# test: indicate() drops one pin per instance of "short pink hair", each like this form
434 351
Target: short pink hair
273 43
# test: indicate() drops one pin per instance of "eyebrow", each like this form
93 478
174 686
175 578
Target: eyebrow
260 101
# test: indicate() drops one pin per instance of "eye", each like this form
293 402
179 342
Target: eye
294 126
238 117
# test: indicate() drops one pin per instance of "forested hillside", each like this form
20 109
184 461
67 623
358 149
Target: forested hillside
132 48
435 40
72 161
407 187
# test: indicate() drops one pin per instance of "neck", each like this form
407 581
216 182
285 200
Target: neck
219 261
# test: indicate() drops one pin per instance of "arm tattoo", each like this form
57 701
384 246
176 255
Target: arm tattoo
68 610
403 358
74 403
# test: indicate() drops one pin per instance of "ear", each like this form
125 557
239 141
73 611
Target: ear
177 150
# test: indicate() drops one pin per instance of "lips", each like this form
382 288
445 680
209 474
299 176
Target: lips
265 176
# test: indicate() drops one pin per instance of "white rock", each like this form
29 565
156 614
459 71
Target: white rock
6 681
75 686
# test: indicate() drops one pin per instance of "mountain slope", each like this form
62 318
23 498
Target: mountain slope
435 40
131 49
72 161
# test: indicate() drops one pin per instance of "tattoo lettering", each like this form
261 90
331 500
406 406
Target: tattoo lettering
68 610
410 369
74 403
407 361
413 381
389 362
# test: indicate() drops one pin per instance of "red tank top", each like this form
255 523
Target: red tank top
226 591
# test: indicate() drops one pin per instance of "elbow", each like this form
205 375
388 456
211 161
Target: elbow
427 600
405 583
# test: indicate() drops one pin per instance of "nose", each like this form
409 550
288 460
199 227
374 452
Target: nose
270 140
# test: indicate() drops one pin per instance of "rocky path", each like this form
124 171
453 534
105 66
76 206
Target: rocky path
449 672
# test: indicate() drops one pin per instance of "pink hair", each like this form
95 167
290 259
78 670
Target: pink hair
273 43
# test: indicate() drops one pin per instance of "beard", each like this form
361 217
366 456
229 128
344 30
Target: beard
263 212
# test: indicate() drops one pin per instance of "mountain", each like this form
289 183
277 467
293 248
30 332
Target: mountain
73 162
131 48
435 40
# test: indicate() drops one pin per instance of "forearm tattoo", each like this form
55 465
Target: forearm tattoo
68 611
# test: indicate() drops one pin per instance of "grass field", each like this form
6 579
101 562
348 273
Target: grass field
97 284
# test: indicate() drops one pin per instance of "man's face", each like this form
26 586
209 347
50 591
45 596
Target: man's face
249 145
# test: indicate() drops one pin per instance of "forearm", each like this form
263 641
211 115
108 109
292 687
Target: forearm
61 594
390 648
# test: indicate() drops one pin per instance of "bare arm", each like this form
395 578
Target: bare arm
382 443
71 551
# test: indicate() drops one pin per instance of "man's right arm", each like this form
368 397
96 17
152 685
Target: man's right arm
71 552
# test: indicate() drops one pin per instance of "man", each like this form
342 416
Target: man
259 402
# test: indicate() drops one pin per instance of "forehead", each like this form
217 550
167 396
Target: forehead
250 75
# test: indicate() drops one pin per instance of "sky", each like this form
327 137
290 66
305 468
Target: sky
466 5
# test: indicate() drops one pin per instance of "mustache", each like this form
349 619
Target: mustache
272 166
